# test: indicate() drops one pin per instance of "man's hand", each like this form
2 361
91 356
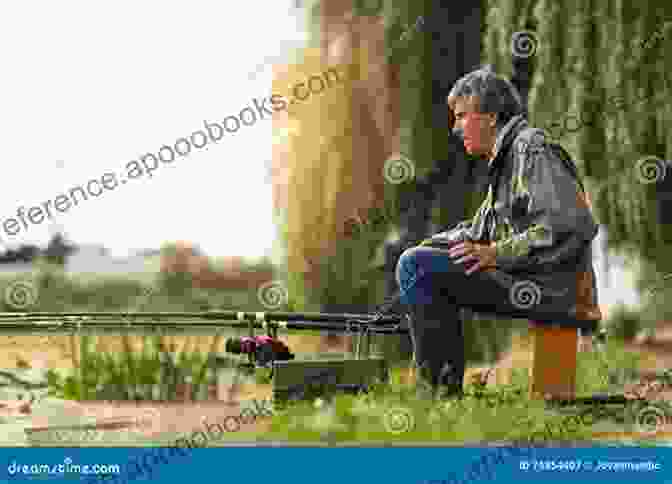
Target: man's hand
482 253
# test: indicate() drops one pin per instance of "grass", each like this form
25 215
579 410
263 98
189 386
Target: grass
391 412
126 374
500 414
388 413
133 375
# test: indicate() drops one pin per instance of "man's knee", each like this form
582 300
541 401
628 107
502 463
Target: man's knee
409 255
407 263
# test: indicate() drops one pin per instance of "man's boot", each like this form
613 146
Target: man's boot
438 343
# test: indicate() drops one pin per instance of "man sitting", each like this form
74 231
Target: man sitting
526 252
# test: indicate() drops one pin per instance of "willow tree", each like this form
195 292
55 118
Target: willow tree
388 106
597 71
337 152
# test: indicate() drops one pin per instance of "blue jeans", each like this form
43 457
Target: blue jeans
434 288
429 276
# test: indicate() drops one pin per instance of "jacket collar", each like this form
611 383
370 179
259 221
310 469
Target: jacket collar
505 138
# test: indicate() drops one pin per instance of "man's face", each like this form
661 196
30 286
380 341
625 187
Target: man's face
478 129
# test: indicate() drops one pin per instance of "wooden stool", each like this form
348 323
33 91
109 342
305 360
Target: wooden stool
554 361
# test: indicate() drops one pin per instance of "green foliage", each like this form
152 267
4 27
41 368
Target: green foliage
484 415
486 339
625 323
606 372
118 374
56 291
132 375
585 63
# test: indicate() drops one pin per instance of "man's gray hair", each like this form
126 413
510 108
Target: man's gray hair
492 94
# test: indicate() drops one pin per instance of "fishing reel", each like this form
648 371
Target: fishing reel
262 350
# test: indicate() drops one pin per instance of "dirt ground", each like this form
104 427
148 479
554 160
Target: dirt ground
57 352
62 352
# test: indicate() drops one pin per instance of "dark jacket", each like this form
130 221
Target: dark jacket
539 219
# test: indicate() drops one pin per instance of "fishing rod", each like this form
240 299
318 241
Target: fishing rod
261 350
68 321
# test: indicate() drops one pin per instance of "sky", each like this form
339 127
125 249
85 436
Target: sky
88 87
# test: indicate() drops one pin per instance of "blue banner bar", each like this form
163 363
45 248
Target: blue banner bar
311 465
